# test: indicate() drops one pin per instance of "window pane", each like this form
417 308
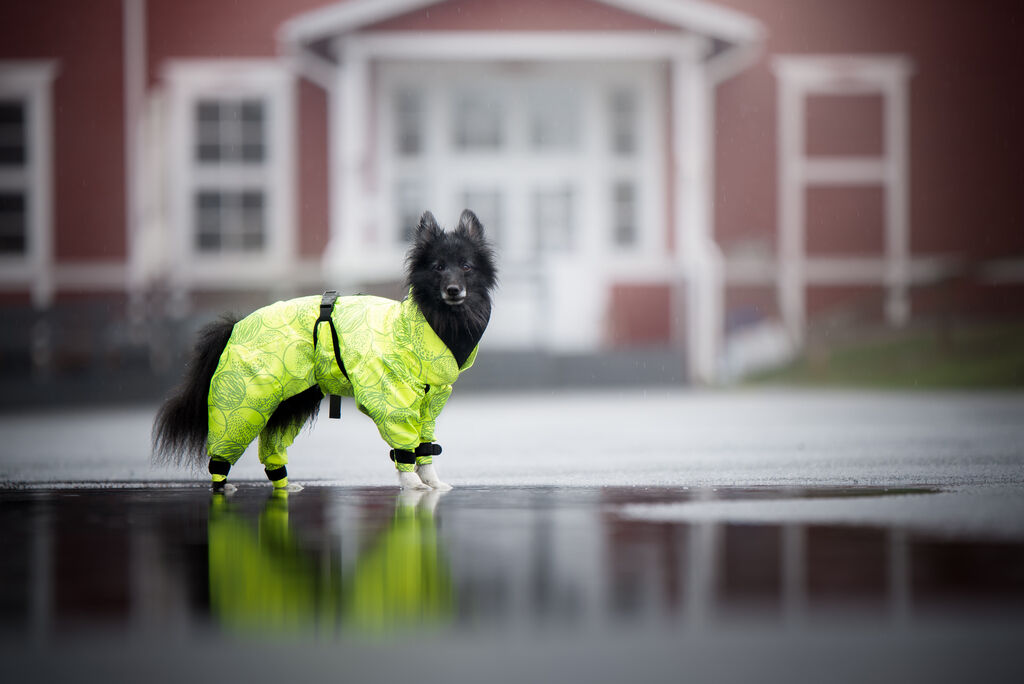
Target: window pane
555 121
230 221
13 223
230 131
553 218
486 203
624 213
623 110
409 120
13 133
478 120
409 199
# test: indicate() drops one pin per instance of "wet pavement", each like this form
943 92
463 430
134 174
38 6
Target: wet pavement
167 582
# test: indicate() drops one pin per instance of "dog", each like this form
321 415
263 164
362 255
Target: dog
266 374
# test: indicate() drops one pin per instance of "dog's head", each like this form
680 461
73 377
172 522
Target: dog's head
451 268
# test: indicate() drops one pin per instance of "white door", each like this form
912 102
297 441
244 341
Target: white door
556 161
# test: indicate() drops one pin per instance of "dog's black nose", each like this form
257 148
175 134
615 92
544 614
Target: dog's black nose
453 290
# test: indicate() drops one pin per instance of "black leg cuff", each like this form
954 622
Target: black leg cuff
219 467
403 456
277 474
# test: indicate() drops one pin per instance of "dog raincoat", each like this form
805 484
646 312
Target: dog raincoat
399 372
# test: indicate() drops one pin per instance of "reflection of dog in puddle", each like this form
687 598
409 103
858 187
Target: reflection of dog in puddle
264 579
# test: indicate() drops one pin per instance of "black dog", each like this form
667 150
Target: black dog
267 373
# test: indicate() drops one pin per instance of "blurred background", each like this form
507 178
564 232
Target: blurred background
679 191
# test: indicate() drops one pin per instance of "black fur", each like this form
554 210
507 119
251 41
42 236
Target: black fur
461 261
451 275
179 432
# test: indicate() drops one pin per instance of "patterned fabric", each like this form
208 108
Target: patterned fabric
399 371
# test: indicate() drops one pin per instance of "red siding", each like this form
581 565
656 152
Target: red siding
640 314
312 192
88 116
845 221
208 29
845 125
965 115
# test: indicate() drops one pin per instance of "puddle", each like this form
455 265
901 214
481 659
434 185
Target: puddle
368 562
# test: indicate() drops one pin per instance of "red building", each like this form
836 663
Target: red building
654 172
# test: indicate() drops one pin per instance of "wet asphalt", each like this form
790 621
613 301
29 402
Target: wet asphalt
639 537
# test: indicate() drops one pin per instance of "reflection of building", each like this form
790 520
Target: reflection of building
654 171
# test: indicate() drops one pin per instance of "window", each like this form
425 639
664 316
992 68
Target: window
14 192
409 120
555 120
623 111
232 179
230 132
486 203
624 224
553 219
478 121
410 197
26 179
230 221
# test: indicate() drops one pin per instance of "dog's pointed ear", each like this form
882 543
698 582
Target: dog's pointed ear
427 227
469 223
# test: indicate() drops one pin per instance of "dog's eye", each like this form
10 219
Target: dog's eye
467 266
439 267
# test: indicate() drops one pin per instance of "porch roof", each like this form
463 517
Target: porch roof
725 26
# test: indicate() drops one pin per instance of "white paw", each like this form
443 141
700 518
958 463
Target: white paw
410 481
428 475
293 487
227 489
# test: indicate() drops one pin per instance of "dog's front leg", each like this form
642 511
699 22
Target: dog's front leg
428 475
410 480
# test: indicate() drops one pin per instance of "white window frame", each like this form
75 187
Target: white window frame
799 77
189 82
31 81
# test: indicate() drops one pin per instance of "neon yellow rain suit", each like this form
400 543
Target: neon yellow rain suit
399 371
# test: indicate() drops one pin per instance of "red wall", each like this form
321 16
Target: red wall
88 116
966 110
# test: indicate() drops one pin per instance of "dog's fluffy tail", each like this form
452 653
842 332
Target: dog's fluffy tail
179 432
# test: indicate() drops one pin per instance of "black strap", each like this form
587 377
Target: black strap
277 474
428 449
219 467
403 456
326 308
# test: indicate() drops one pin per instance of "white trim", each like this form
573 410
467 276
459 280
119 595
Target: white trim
693 15
845 270
32 81
1002 271
529 45
798 77
135 67
190 80
699 257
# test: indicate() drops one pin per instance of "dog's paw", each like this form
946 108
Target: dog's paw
411 481
428 475
293 487
226 488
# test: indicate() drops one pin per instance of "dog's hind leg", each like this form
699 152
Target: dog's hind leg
273 453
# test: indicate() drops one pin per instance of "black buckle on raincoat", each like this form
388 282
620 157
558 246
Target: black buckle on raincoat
326 307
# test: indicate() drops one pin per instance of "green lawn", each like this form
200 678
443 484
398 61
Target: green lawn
989 356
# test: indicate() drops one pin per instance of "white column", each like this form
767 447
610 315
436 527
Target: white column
698 256
134 67
790 136
349 155
897 214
